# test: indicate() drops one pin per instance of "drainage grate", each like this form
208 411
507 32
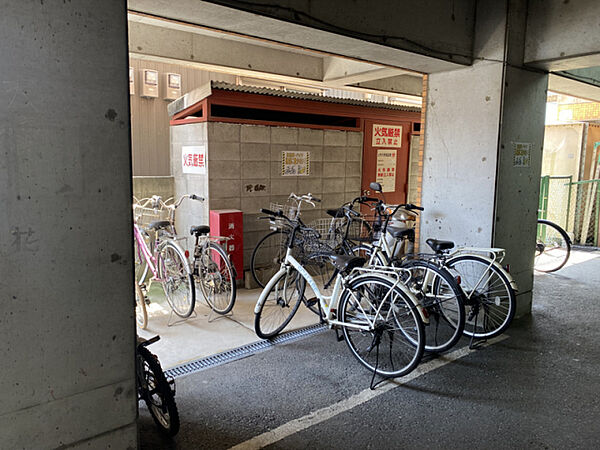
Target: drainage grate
242 352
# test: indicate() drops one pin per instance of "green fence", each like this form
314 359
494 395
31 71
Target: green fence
574 205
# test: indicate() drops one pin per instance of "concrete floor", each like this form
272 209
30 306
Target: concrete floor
537 388
206 333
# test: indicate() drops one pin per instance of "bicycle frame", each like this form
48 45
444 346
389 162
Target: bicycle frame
329 303
148 256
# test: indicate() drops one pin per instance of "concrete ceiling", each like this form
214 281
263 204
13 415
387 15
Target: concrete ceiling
160 39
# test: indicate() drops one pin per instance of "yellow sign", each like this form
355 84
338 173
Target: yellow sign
295 164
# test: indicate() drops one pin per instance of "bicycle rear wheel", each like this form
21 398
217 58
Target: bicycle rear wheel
267 256
394 346
140 263
141 314
216 278
156 392
552 248
280 305
441 296
489 298
177 280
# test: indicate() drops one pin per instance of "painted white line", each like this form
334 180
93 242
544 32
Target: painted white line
326 413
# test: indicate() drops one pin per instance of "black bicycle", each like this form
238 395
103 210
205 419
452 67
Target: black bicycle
156 389
552 247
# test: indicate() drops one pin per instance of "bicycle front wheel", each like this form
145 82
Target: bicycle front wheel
140 263
156 392
393 343
177 281
552 248
267 256
280 305
215 275
489 298
440 295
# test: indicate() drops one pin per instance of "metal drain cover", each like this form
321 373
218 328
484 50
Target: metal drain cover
242 352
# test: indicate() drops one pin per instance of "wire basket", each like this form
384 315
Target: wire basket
330 231
365 229
144 215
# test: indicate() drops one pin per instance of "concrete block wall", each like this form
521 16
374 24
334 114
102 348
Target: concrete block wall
242 157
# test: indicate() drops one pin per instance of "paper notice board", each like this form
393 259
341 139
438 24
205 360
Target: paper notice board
294 164
386 169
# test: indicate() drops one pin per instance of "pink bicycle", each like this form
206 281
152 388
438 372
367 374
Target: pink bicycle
156 250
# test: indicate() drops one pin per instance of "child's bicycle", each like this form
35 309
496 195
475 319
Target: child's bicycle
157 390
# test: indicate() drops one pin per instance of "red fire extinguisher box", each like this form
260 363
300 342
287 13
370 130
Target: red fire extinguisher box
229 223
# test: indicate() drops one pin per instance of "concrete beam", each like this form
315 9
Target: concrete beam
417 47
563 83
402 84
340 71
563 35
164 42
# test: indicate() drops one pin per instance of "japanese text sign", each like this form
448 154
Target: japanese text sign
386 136
295 164
193 159
386 170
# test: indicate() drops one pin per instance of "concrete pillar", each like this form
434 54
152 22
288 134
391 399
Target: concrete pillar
66 293
473 192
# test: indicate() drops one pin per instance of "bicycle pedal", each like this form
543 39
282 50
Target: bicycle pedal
312 301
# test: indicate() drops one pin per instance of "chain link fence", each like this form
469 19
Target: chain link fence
574 205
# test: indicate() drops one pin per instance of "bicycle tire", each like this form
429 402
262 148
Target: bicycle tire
272 316
140 263
175 273
365 251
267 256
442 299
550 259
216 278
496 296
157 394
403 322
141 313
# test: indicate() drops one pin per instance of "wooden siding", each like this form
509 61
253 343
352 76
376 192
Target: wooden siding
150 121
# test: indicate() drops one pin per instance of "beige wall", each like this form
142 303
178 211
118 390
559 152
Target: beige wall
149 118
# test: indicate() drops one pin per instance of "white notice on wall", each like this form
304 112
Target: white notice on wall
386 136
294 164
386 169
521 154
193 159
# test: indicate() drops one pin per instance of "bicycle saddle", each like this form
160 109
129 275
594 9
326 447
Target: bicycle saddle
439 246
345 263
159 224
398 233
199 230
336 212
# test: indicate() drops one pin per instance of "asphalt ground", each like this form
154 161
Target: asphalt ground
538 388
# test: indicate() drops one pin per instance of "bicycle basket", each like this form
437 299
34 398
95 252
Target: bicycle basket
287 210
144 216
330 231
365 228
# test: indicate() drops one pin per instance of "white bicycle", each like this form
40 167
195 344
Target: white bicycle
372 307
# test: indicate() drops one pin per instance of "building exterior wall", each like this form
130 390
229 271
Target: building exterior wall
244 171
149 117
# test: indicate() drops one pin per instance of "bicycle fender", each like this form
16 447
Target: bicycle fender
164 243
509 277
405 290
267 288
